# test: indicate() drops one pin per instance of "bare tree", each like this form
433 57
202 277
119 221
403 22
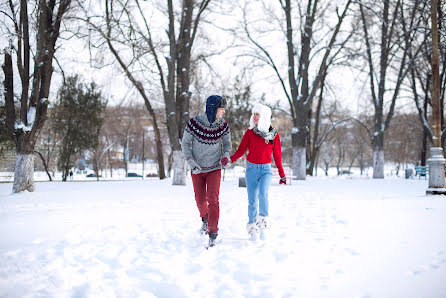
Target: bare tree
362 143
48 142
117 34
174 74
327 154
337 119
42 18
176 82
98 152
302 87
403 145
392 50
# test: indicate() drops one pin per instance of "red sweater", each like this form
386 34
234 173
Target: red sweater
259 151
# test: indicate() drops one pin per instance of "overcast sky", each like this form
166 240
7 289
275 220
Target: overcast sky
345 85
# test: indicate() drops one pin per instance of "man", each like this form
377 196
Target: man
206 147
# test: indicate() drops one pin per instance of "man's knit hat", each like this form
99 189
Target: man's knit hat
264 120
214 102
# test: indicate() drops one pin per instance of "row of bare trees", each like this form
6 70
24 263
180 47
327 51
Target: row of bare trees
127 136
119 141
300 45
124 29
383 41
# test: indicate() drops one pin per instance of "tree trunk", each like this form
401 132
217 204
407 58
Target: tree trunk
96 167
24 173
110 163
423 148
299 163
299 143
169 166
44 164
159 154
341 154
24 165
378 156
179 162
315 146
125 160
378 163
8 85
65 173
352 161
361 160
182 48
326 168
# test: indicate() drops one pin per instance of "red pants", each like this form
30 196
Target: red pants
207 190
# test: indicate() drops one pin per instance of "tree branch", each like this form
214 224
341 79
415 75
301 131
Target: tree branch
273 65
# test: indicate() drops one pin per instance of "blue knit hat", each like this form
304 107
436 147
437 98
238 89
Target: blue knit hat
214 102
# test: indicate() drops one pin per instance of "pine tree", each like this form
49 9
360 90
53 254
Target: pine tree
77 120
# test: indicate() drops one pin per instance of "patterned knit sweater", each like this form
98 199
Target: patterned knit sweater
205 144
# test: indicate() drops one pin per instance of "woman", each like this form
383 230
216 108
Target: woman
261 139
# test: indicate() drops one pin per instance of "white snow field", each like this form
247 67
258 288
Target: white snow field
327 238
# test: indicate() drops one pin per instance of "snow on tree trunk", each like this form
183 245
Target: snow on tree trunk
378 164
436 170
179 168
24 173
299 163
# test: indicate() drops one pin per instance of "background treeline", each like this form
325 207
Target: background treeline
82 132
349 81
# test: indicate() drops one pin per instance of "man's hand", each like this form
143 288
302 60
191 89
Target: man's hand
196 170
225 162
282 180
194 167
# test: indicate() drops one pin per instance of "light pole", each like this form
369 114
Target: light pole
436 161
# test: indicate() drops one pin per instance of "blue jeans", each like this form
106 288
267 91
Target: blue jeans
258 180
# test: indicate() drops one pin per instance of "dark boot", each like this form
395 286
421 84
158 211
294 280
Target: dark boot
212 238
204 226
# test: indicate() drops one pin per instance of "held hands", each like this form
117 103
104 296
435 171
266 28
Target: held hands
225 162
282 180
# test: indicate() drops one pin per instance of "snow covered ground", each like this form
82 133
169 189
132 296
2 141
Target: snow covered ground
329 237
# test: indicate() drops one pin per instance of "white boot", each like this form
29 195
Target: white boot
261 225
253 230
263 234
